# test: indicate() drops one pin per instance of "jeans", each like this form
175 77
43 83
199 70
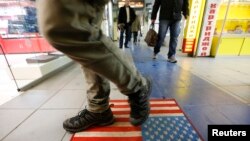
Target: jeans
102 61
174 34
127 30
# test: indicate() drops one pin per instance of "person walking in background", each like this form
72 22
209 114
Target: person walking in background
126 17
136 27
170 16
73 27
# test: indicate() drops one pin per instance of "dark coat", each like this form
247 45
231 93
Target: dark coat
122 17
169 9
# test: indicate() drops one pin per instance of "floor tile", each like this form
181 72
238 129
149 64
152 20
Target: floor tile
241 91
44 125
29 100
237 114
202 116
10 119
66 99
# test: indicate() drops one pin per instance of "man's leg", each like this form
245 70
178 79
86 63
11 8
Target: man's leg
163 28
121 38
101 56
98 90
174 34
97 111
135 36
128 35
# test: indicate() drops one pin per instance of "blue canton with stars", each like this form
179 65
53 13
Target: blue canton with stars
174 128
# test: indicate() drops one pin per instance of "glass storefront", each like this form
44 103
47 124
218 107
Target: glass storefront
26 56
232 30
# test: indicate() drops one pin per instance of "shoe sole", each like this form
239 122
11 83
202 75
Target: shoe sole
147 114
172 62
91 125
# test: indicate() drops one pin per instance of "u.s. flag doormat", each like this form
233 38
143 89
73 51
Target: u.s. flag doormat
166 122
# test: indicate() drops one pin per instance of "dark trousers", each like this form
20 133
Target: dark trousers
174 33
135 33
127 30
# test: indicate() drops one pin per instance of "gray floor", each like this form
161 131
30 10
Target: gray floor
38 113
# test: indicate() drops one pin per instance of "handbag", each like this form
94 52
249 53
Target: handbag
151 37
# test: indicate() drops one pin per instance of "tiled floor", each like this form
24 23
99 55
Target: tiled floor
210 91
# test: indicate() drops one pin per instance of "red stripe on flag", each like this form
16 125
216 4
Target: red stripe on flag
107 139
121 119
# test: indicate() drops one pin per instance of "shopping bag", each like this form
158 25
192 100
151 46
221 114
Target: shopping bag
151 37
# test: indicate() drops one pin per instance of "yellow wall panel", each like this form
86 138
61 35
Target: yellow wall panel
230 46
246 47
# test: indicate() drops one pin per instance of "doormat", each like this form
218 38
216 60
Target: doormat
166 122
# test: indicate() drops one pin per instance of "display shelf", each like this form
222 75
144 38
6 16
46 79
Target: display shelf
233 35
22 71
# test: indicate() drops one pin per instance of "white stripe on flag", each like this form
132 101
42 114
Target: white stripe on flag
152 108
122 124
151 102
108 134
151 115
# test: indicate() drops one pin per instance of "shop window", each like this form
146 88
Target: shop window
29 55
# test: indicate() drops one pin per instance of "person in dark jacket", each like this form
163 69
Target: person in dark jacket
125 19
170 16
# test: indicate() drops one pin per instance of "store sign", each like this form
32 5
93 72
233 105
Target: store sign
192 26
208 28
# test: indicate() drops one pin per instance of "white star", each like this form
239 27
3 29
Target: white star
150 129
162 137
159 129
171 136
177 128
165 132
157 122
193 132
191 136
